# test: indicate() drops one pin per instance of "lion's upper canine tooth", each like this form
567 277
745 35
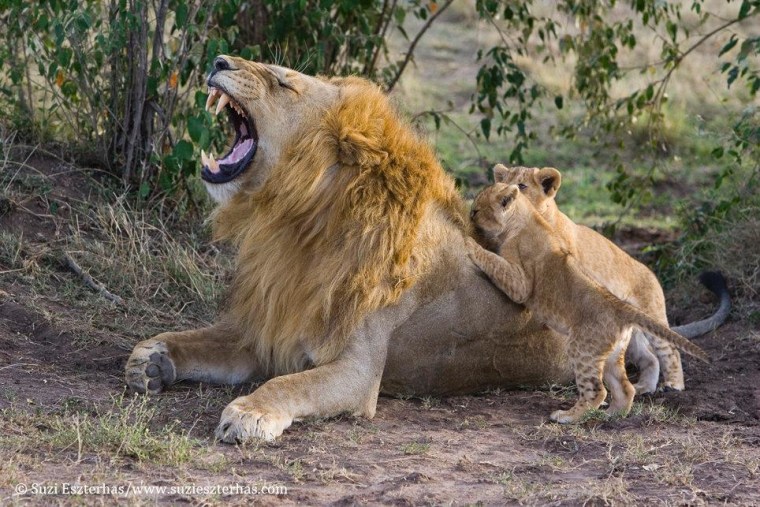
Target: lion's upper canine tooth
204 159
212 95
223 101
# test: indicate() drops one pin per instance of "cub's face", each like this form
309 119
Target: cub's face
269 107
496 211
538 185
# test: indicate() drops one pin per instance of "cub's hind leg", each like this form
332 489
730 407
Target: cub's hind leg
670 364
667 354
621 389
588 366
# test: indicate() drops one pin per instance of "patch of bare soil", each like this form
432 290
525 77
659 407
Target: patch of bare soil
700 446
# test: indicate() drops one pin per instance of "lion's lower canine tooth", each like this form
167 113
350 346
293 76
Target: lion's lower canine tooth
213 165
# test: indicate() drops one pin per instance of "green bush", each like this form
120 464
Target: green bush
123 79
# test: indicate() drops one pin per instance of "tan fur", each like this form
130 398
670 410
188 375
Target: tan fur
535 266
609 266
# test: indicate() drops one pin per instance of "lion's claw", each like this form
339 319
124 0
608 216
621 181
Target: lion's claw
241 422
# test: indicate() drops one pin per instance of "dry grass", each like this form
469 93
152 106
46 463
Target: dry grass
137 257
160 268
122 431
731 246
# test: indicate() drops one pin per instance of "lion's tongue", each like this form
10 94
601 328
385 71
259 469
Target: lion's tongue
238 152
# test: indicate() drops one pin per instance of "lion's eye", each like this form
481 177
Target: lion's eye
283 84
473 213
522 186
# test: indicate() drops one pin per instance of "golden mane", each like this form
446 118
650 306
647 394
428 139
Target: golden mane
332 235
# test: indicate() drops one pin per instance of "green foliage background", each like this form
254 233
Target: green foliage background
121 82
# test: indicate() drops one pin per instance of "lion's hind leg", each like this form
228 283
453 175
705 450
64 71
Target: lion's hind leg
211 354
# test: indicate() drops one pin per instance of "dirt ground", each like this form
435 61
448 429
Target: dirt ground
66 419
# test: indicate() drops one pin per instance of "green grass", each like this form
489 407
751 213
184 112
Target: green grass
414 448
698 117
587 167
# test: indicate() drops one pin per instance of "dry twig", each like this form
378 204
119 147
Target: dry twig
90 281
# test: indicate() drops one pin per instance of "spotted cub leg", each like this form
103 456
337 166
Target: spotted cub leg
667 354
588 369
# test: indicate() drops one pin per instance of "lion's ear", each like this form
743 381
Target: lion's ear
355 148
500 173
358 127
550 179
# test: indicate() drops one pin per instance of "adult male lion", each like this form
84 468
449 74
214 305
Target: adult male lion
351 270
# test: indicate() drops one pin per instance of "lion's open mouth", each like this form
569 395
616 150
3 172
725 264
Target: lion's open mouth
243 147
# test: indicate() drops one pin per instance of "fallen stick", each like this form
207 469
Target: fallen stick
90 281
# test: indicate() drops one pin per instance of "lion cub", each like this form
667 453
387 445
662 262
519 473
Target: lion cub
535 267
609 266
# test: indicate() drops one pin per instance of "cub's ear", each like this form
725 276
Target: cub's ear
550 179
500 173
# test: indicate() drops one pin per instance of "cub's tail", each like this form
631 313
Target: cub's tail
631 315
645 322
715 283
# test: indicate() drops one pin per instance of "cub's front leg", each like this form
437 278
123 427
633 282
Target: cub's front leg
508 277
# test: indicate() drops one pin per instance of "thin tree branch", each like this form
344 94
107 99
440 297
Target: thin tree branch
382 25
417 38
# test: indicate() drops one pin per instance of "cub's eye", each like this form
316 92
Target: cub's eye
522 186
473 213
505 200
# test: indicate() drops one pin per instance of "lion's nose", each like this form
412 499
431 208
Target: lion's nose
221 63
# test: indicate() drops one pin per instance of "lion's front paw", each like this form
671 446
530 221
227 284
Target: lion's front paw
149 368
242 420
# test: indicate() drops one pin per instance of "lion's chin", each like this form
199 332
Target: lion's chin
222 192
